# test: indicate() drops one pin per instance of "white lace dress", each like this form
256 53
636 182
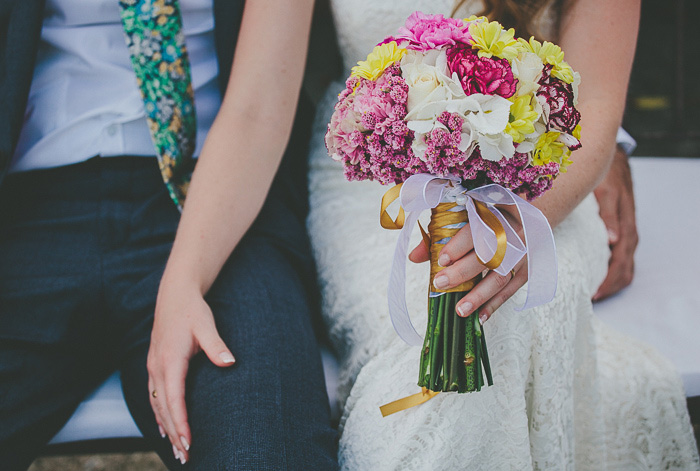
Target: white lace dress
568 392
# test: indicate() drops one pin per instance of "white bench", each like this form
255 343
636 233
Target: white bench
661 307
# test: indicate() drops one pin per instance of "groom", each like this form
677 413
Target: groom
83 244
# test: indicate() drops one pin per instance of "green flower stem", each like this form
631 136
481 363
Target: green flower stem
478 354
435 363
456 360
469 357
424 373
485 356
447 317
454 355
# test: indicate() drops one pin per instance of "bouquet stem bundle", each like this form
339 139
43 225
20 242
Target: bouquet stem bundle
454 355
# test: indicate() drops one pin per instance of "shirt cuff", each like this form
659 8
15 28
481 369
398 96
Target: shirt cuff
625 141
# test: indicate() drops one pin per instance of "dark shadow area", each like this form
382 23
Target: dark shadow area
663 100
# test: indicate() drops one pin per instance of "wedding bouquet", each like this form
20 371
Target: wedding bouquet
465 116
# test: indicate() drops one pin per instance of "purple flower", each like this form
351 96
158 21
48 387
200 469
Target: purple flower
558 97
424 32
487 75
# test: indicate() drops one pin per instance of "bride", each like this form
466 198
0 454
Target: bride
568 393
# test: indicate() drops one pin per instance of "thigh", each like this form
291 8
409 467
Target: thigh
270 411
50 355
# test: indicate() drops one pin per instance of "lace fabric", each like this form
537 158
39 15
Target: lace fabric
568 392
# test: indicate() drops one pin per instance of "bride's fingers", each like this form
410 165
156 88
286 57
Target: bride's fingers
504 295
460 245
490 286
491 292
460 271
419 254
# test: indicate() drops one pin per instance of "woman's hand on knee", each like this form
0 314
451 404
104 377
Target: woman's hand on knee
183 326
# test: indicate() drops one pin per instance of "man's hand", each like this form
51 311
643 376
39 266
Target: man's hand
616 200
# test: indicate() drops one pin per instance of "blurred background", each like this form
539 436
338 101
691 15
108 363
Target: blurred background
663 105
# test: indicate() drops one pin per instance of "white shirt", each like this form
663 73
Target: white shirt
84 100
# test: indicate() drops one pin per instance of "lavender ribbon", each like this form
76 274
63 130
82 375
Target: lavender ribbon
421 192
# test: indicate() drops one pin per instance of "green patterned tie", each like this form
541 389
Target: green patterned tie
153 31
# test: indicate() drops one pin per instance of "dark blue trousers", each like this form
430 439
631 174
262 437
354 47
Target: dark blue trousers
82 251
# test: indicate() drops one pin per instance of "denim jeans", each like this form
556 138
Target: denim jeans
82 251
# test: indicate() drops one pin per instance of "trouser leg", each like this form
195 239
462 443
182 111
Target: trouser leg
50 324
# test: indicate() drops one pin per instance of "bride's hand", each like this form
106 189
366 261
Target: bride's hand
461 264
183 326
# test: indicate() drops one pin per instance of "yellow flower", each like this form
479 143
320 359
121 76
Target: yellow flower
491 39
550 54
565 161
577 132
378 60
522 119
548 149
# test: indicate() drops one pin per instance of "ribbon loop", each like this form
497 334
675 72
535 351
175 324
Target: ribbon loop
495 225
384 219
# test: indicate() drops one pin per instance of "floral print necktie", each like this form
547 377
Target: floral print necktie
153 31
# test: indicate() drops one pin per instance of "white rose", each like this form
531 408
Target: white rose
421 77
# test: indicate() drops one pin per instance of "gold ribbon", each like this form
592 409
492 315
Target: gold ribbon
384 219
407 402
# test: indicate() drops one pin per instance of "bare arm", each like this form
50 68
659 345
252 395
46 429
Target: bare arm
599 38
238 162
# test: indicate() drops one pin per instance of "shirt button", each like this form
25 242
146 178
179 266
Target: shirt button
112 129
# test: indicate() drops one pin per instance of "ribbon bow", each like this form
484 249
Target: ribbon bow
421 192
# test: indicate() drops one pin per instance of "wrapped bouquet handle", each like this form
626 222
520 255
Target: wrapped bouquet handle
423 191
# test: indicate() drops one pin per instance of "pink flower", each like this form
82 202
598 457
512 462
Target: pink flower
490 76
558 97
424 32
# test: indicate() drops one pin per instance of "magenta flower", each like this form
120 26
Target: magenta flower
425 32
559 98
487 75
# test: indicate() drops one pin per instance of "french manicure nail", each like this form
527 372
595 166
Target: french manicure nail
176 453
465 309
441 281
182 459
226 357
444 260
612 236
184 442
482 318
162 432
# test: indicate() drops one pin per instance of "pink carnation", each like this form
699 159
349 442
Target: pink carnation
425 32
558 97
490 76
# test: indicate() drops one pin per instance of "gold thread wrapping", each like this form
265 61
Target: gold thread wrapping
441 217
